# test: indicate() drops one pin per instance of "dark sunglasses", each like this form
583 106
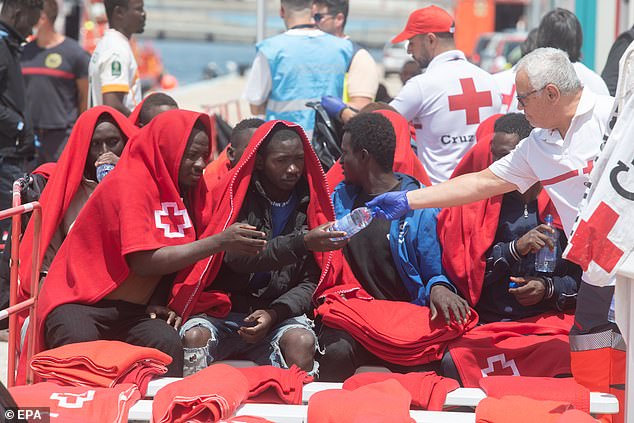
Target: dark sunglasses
319 16
521 98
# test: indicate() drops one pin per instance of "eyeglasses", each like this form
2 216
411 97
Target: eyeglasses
520 98
319 16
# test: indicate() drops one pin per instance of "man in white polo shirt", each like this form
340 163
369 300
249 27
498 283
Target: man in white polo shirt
570 122
113 75
449 100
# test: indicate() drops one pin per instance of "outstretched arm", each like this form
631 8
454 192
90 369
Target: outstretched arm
238 237
464 189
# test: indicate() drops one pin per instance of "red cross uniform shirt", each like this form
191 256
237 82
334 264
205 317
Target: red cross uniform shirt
446 104
506 84
562 165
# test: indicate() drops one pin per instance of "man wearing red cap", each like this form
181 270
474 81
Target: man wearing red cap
447 102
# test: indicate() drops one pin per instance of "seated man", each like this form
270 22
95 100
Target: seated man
510 231
270 293
134 232
153 105
398 261
227 160
98 137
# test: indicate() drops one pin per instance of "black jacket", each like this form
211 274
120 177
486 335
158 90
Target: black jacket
610 72
293 270
16 135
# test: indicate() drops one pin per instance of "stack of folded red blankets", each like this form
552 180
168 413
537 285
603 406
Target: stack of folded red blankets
395 331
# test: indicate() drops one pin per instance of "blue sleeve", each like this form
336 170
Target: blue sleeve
428 252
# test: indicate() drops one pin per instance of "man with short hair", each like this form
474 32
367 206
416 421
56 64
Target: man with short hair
227 160
410 69
55 70
448 101
17 18
396 261
153 105
113 71
271 293
570 121
561 29
301 65
362 79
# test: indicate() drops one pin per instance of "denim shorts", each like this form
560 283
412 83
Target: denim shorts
225 343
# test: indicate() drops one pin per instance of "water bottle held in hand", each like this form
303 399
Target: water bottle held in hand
352 223
102 170
546 259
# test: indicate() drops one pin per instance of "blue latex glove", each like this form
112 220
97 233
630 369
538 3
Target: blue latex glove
333 105
390 206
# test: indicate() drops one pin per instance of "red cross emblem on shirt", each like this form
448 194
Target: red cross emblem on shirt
590 241
470 100
507 99
173 214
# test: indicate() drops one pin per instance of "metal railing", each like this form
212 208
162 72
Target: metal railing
11 312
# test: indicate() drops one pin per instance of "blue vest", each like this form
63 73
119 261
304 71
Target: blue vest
304 68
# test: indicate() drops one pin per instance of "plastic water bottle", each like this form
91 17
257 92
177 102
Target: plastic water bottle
102 170
353 222
546 259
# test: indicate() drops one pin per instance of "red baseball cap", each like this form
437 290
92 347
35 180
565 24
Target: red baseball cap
424 21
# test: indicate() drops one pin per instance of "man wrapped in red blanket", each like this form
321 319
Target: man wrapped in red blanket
138 228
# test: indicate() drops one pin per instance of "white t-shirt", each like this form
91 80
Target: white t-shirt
562 165
113 68
591 79
446 104
505 81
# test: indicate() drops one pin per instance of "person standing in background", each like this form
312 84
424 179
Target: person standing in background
362 78
17 19
301 65
561 29
113 74
55 70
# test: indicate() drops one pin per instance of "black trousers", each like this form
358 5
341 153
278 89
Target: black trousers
51 143
117 321
342 354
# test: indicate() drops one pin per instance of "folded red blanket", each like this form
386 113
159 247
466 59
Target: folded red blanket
395 331
576 416
428 390
78 404
516 409
272 385
207 396
101 364
379 402
539 388
533 347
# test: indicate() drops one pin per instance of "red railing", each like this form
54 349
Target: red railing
16 213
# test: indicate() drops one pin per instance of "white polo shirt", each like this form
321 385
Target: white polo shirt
591 79
113 68
446 104
505 81
562 165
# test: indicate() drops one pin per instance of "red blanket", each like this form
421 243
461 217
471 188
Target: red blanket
101 364
217 169
189 295
385 401
536 346
395 331
517 409
137 208
428 390
467 232
78 404
63 184
272 385
538 388
405 161
207 396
